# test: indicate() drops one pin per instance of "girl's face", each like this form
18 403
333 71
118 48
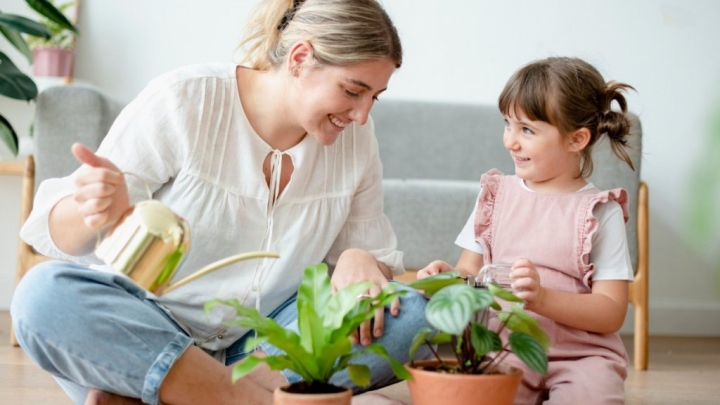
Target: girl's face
332 97
547 161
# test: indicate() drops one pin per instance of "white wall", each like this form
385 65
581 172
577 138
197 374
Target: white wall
464 51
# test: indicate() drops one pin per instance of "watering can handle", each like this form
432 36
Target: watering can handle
217 265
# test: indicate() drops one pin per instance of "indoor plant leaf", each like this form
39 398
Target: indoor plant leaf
501 293
430 285
452 308
8 135
14 83
341 303
17 41
529 350
359 374
532 325
23 24
48 10
483 340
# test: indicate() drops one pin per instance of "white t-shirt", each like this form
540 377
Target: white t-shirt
609 254
187 136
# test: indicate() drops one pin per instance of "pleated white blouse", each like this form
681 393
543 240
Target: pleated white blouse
187 136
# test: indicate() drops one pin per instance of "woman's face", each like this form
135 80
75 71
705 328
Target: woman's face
329 98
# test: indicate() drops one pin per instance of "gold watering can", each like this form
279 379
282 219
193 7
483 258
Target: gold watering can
148 243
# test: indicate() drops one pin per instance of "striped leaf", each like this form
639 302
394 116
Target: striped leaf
452 308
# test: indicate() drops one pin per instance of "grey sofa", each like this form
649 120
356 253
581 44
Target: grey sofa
433 155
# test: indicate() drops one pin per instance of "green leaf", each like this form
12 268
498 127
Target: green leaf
17 41
252 343
502 293
342 303
359 374
313 336
397 367
440 338
14 83
452 308
246 366
483 340
530 351
23 24
48 10
531 326
430 285
418 340
8 136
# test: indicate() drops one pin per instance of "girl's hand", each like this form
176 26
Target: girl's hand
526 284
100 189
357 265
436 267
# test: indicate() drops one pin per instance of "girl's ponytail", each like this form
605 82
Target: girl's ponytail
615 124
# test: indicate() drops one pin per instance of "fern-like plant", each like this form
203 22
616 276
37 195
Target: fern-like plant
322 347
460 311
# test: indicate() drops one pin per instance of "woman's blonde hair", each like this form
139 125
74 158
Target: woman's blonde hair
342 32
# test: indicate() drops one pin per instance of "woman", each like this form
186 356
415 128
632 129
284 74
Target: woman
278 156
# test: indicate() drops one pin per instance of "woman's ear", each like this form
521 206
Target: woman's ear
300 54
579 139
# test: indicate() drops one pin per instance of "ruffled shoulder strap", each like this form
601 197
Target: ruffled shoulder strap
591 224
490 182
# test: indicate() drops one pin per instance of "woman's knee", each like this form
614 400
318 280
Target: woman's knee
38 288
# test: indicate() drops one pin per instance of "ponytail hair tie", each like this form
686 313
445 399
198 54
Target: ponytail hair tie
289 14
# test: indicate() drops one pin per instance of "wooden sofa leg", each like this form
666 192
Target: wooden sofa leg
640 304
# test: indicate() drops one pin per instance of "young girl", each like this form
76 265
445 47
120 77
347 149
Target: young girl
279 155
565 238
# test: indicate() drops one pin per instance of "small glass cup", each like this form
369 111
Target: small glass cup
497 273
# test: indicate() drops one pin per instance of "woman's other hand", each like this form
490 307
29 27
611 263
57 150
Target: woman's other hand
357 265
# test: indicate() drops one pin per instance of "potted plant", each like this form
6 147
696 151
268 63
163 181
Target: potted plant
322 347
13 82
460 312
53 56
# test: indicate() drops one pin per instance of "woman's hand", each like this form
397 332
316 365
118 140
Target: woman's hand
526 284
100 190
436 267
357 265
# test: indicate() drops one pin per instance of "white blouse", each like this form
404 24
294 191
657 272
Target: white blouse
187 136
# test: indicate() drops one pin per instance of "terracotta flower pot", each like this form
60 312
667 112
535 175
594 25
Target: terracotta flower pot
282 397
53 62
432 388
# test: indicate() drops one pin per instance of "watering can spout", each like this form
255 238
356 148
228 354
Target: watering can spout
148 243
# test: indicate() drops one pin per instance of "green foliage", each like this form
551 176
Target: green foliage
61 35
460 313
14 83
325 321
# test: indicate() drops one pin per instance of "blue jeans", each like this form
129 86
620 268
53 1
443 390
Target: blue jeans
91 329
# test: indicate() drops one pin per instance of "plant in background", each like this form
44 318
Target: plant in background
322 347
460 312
60 35
13 82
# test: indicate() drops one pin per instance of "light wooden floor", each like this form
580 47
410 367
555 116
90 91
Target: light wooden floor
682 371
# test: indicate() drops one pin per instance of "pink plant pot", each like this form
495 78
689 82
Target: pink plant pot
54 62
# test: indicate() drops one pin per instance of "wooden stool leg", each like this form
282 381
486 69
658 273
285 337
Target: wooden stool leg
25 253
640 289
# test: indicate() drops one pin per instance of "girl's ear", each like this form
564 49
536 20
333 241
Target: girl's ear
299 54
579 139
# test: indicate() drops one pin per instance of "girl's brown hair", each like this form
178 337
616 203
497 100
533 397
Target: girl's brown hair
342 32
570 94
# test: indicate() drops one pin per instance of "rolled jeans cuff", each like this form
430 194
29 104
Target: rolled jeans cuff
159 369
